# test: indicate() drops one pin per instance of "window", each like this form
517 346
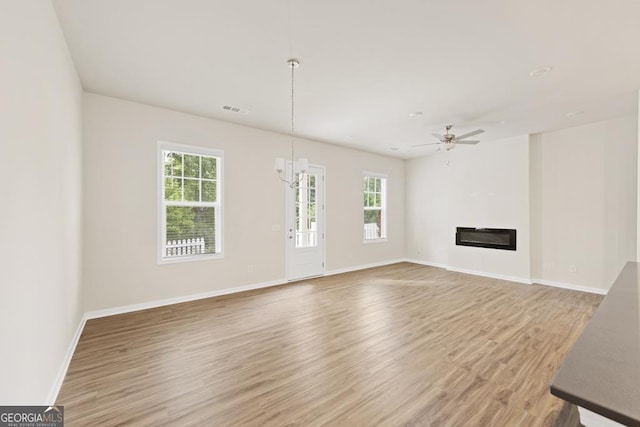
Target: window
306 218
190 203
375 194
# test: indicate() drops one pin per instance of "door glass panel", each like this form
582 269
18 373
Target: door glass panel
306 219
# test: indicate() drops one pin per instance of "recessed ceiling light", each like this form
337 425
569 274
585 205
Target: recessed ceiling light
502 122
574 113
540 71
415 114
394 148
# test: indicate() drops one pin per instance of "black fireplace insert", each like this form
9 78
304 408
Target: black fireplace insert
493 238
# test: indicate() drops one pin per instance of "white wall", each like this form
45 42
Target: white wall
584 188
120 204
427 209
486 185
638 182
40 137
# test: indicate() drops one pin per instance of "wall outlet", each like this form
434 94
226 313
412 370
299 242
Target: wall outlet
419 251
572 269
275 227
249 268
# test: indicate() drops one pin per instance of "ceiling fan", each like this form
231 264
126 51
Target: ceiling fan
449 140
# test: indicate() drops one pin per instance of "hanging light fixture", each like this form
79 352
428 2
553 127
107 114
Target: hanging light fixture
302 165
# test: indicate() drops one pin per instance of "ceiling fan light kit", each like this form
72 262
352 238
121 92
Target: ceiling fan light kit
448 141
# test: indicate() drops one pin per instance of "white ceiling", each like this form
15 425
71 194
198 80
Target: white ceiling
366 64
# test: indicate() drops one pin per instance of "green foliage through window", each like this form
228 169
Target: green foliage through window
190 203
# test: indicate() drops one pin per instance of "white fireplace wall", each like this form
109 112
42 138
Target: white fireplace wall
489 187
486 185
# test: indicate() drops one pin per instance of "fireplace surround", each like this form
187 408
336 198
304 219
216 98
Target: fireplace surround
492 238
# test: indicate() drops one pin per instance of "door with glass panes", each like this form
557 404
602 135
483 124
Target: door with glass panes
305 225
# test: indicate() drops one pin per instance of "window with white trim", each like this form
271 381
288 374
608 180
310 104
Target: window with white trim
374 204
190 202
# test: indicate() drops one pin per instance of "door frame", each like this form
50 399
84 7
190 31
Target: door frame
321 236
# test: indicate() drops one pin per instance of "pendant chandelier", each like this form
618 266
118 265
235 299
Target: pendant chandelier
302 165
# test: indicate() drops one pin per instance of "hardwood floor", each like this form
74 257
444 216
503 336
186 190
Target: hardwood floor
396 345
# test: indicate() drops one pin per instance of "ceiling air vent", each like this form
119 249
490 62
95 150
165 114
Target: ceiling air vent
235 109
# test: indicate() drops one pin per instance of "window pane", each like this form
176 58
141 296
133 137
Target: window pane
209 167
191 166
172 163
372 222
372 199
190 230
372 184
302 210
378 199
371 216
173 189
371 231
209 191
191 190
306 212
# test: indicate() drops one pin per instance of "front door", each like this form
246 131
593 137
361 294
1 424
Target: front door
305 225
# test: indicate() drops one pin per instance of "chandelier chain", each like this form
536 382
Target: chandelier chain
280 163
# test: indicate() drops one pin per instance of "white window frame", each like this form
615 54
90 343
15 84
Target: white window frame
383 207
218 204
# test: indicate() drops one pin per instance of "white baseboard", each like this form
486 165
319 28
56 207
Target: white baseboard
472 272
491 275
159 303
427 263
62 372
363 267
177 300
570 286
513 279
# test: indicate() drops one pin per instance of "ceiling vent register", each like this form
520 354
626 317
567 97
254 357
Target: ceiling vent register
232 109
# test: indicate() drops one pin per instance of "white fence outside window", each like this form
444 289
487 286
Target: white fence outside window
371 231
185 247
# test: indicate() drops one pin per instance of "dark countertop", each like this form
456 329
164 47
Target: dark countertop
602 371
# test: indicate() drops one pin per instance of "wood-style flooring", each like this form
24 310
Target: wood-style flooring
390 346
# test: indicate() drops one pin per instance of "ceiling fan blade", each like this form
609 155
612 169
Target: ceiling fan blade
437 135
466 142
429 143
467 135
